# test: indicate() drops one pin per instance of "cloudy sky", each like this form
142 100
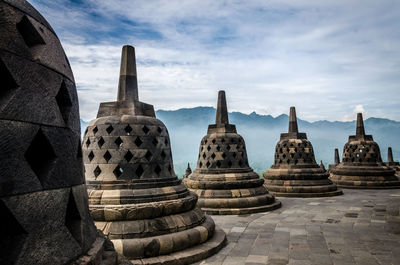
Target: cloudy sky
330 59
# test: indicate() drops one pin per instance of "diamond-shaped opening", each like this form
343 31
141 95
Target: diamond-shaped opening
205 141
240 163
170 169
163 154
148 155
208 164
232 140
107 156
155 142
234 155
101 142
128 156
200 164
13 236
29 33
223 155
145 129
139 171
73 219
7 83
64 102
230 163
109 129
95 130
157 170
128 129
204 155
91 156
97 171
138 142
213 141
218 148
119 142
159 129
218 163
222 140
212 155
208 148
118 171
228 147
87 142
40 156
166 142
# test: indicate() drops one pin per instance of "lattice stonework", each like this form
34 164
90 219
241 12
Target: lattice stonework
294 152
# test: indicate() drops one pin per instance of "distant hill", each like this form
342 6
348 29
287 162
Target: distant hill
261 133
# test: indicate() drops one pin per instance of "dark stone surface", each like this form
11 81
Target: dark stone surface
44 216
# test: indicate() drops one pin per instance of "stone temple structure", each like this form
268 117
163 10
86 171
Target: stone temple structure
188 171
44 214
391 163
223 179
135 197
336 160
295 172
362 165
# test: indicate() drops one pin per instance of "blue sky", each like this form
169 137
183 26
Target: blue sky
330 59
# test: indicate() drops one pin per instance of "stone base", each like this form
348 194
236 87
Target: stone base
240 211
365 177
190 255
308 195
101 253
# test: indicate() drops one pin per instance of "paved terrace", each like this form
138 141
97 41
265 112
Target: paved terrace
361 227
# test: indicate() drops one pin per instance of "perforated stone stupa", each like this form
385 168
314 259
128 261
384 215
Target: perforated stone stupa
295 172
223 179
362 165
134 195
391 163
44 214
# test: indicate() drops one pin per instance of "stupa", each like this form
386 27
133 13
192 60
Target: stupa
336 160
188 171
44 214
295 172
391 163
223 179
135 197
362 165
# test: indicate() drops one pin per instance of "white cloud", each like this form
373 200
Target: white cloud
324 57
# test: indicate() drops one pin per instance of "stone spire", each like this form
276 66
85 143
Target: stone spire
128 86
222 109
360 132
293 121
188 171
390 155
337 158
128 96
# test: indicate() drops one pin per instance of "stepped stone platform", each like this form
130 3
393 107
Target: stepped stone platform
295 172
223 179
362 165
360 228
44 214
135 197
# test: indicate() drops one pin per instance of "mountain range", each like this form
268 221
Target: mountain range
261 133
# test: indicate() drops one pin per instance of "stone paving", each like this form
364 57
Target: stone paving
362 227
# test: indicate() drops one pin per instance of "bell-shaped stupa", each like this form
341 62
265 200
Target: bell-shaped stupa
362 165
295 172
223 179
134 195
44 214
